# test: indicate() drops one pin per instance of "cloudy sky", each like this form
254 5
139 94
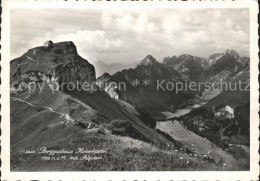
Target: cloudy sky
129 35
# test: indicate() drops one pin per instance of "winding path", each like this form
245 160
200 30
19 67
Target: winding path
69 120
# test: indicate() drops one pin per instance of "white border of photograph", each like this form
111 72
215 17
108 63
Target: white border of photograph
137 175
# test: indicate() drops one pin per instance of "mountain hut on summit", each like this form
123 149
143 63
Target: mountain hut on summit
48 44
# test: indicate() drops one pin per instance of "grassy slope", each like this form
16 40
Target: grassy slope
30 123
118 110
123 153
33 123
188 138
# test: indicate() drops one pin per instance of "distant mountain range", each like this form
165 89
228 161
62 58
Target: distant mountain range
112 68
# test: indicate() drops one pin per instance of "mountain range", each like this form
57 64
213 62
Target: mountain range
48 109
102 67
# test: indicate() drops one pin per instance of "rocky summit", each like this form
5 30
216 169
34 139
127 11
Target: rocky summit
149 60
58 62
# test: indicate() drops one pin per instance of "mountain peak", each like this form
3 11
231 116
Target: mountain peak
170 60
232 53
58 61
148 60
65 47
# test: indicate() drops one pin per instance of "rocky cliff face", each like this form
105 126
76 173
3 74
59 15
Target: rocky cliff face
106 83
77 69
224 61
59 63
223 65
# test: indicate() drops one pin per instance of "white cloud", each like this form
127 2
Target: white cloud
197 36
228 23
142 25
129 35
125 23
94 41
106 20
